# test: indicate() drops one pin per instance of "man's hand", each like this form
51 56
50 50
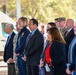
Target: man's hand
68 71
11 60
16 54
41 63
24 58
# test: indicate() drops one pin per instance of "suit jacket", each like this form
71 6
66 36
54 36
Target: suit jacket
21 40
34 48
58 54
71 56
68 40
8 50
46 44
73 64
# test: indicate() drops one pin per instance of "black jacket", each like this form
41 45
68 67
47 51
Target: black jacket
22 36
8 50
34 48
58 56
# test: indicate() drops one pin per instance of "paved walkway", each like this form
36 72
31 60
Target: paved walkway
3 68
3 64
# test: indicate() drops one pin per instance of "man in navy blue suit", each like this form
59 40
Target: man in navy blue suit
8 50
72 55
33 48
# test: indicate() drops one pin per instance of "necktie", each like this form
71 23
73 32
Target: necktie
66 33
7 40
28 37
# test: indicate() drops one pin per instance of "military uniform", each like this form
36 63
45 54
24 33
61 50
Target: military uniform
62 30
14 46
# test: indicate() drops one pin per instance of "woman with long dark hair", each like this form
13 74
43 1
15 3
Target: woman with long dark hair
56 52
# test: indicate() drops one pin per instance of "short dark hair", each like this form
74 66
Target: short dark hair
34 21
52 24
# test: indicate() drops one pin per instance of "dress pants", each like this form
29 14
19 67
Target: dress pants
21 66
32 70
11 69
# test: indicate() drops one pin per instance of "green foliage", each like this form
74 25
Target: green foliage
43 10
11 8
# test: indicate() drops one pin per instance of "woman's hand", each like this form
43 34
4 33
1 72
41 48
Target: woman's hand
24 58
41 63
16 54
68 71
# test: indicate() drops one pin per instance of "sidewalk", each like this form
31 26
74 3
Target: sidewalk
3 64
3 68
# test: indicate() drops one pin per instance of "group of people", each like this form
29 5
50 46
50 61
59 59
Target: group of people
30 53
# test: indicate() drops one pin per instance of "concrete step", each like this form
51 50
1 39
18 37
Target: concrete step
3 64
1 55
3 71
1 58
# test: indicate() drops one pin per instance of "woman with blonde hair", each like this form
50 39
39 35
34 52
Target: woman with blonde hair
22 35
55 52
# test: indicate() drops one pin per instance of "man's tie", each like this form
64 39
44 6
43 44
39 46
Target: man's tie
66 33
28 37
7 40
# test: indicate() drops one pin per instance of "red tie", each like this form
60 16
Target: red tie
28 37
66 33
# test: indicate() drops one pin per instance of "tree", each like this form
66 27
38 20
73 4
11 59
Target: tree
43 10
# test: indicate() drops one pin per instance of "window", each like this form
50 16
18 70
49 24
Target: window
3 31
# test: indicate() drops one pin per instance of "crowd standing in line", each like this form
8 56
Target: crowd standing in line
22 35
33 54
8 50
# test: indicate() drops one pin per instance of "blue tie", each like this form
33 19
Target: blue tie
7 40
28 37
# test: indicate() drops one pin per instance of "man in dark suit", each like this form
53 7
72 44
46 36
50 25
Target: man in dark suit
70 35
33 48
8 50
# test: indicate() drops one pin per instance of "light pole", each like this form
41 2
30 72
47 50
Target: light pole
18 9
3 3
4 8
